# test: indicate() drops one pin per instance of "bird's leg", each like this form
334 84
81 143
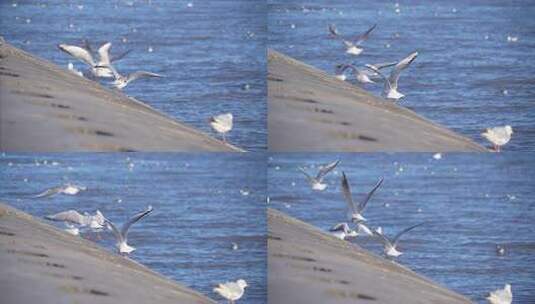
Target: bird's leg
496 148
224 138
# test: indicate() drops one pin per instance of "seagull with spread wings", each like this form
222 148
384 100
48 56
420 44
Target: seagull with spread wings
121 235
390 249
317 182
354 211
352 44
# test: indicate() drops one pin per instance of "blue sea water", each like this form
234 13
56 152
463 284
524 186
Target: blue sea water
202 204
468 76
469 203
212 53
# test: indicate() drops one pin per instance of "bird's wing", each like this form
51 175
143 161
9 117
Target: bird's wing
78 53
133 219
141 74
363 204
382 238
383 65
400 66
324 170
119 56
116 74
48 192
346 191
118 235
396 238
309 178
388 86
104 53
86 45
71 216
337 227
362 37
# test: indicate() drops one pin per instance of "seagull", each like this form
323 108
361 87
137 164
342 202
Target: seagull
121 235
390 90
390 245
362 76
231 291
68 189
317 182
222 123
354 211
84 54
122 81
501 296
500 250
342 230
498 136
72 216
352 44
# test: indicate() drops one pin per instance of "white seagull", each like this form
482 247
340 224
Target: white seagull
72 216
122 81
121 235
390 245
222 123
232 291
354 211
84 54
68 189
390 89
317 182
501 296
498 136
362 76
342 230
352 44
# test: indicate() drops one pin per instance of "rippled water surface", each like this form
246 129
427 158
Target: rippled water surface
469 204
212 53
468 76
202 204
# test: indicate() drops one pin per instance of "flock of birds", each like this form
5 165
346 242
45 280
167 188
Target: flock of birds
355 218
371 73
103 68
74 221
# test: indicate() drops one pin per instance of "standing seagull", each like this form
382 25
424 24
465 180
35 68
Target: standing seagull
122 81
317 182
501 296
352 44
342 231
390 245
222 123
390 89
121 235
362 76
498 136
68 189
354 211
232 291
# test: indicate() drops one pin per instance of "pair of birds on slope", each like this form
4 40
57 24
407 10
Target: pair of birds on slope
372 71
355 212
103 68
98 221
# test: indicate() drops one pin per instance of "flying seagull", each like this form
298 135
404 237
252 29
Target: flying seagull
354 211
342 230
352 44
121 235
222 123
317 182
362 75
84 54
122 81
498 136
74 217
390 245
501 296
232 291
390 89
68 189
